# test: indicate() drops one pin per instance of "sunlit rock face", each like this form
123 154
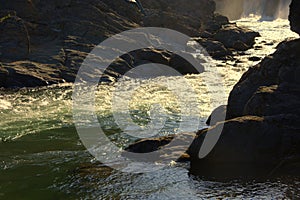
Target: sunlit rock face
268 10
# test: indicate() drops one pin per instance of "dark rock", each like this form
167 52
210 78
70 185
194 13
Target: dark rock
186 24
218 115
174 153
240 46
258 47
152 56
232 37
215 49
249 147
149 145
279 69
183 66
145 56
254 58
58 35
206 34
45 41
274 100
200 9
14 38
216 23
261 135
294 16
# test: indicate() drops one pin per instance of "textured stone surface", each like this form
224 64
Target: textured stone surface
294 16
261 137
52 38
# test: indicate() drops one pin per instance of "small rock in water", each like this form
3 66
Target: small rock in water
258 47
269 44
254 58
240 46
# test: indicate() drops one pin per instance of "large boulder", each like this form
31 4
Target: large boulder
236 38
249 147
261 136
294 16
263 87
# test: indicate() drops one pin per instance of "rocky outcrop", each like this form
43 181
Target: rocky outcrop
260 137
261 134
270 87
45 42
250 146
236 38
294 16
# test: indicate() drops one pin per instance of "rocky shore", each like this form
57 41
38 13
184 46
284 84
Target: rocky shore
260 137
45 42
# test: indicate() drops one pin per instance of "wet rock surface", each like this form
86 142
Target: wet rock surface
236 38
45 42
165 151
250 147
260 137
274 76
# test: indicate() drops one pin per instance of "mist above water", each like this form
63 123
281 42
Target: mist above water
267 9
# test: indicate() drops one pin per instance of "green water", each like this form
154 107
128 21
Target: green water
42 156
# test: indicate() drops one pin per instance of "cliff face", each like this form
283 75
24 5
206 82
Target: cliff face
261 135
45 41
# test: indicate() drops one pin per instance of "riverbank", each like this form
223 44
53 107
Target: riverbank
45 42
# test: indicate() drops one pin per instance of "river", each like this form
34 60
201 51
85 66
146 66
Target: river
41 154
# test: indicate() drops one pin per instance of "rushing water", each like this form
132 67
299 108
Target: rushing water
41 155
269 10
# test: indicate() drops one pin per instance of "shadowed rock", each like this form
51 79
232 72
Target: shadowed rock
52 38
294 16
261 137
249 147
